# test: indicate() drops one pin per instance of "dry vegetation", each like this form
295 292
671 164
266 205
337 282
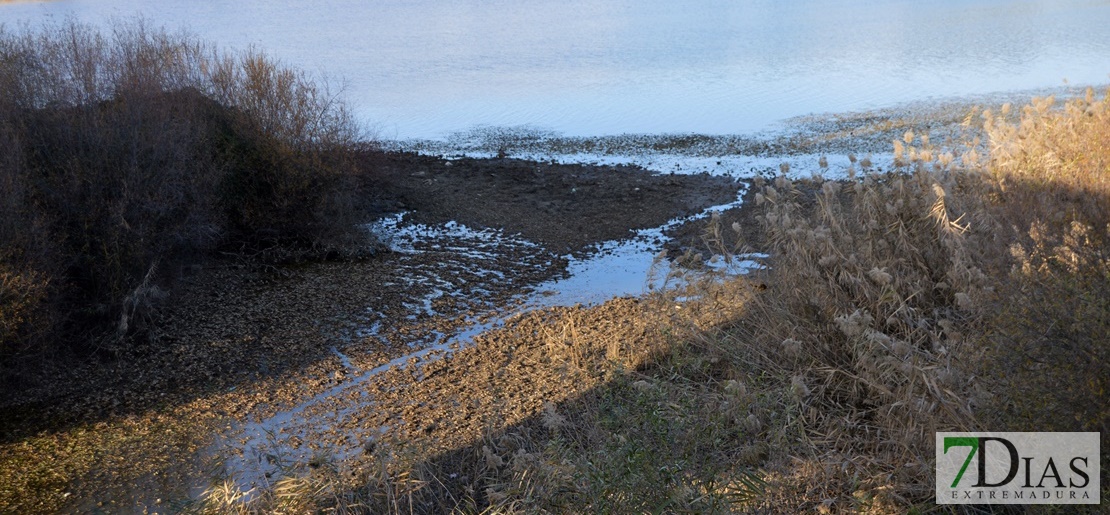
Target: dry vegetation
957 292
949 294
125 155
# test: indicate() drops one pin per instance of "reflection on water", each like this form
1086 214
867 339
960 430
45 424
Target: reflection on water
425 68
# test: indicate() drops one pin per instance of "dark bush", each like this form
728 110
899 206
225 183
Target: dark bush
125 155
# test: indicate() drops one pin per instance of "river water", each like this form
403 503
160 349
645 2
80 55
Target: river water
430 68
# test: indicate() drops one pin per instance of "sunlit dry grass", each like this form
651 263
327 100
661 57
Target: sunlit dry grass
926 299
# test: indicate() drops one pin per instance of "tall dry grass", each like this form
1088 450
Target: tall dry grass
1049 192
125 153
873 291
954 293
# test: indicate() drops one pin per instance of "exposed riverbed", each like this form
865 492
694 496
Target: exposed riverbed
255 452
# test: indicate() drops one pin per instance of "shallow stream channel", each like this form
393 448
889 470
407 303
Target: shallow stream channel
460 282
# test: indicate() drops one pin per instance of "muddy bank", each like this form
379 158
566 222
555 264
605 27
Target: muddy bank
561 206
241 343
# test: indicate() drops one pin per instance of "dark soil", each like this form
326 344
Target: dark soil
564 207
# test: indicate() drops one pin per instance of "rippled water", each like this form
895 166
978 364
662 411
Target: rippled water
427 68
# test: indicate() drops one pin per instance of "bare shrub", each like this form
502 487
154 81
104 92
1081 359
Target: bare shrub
28 257
128 152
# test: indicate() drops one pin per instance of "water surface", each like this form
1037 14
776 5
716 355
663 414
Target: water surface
428 68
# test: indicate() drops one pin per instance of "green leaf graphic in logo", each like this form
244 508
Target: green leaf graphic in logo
961 441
